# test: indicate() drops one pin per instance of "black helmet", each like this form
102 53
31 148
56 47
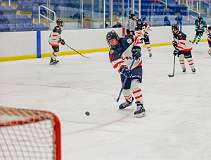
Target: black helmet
111 35
139 21
200 17
174 28
145 24
136 49
139 24
131 16
59 22
209 27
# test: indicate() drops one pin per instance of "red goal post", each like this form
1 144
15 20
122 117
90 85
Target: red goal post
29 134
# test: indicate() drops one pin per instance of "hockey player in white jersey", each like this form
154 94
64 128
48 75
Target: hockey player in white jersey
182 49
55 40
143 28
123 51
146 29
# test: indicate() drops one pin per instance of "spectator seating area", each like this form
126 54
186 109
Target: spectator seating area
22 14
19 16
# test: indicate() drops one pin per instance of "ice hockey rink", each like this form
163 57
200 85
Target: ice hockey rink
177 125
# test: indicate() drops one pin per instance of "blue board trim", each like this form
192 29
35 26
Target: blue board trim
39 55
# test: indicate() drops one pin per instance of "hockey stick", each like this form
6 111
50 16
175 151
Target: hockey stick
172 75
123 85
76 51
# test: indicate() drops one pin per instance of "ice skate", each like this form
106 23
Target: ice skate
209 52
53 61
126 104
150 55
193 70
140 111
184 70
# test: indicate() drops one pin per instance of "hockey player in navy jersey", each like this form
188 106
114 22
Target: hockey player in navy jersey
54 40
182 49
122 52
209 39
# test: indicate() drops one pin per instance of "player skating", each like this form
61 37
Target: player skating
182 50
209 39
54 40
123 52
200 26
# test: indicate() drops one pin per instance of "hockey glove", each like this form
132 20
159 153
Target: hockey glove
146 35
176 52
62 42
126 72
174 43
136 52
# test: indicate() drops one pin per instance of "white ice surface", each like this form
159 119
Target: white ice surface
177 125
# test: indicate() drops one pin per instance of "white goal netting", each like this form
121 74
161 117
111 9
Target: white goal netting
29 135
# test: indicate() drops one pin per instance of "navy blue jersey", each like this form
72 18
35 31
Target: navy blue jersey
121 56
117 51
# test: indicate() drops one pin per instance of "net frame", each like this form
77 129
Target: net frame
30 116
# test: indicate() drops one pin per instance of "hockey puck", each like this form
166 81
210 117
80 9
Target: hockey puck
87 113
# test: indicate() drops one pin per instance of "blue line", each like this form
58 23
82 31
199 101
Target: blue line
39 55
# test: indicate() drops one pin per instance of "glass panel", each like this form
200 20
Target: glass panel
23 15
117 14
98 14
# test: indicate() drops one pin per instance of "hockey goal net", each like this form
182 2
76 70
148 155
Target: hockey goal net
29 135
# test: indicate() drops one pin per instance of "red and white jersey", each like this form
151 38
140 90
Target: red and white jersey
182 44
54 39
139 38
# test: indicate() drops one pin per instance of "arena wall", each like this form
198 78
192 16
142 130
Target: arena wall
25 45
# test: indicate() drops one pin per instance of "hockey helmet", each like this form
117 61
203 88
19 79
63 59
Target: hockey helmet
111 35
139 21
131 16
59 22
200 18
175 28
145 24
139 24
136 49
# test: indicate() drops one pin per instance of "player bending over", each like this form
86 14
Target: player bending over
54 40
145 29
182 50
209 39
121 54
200 26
